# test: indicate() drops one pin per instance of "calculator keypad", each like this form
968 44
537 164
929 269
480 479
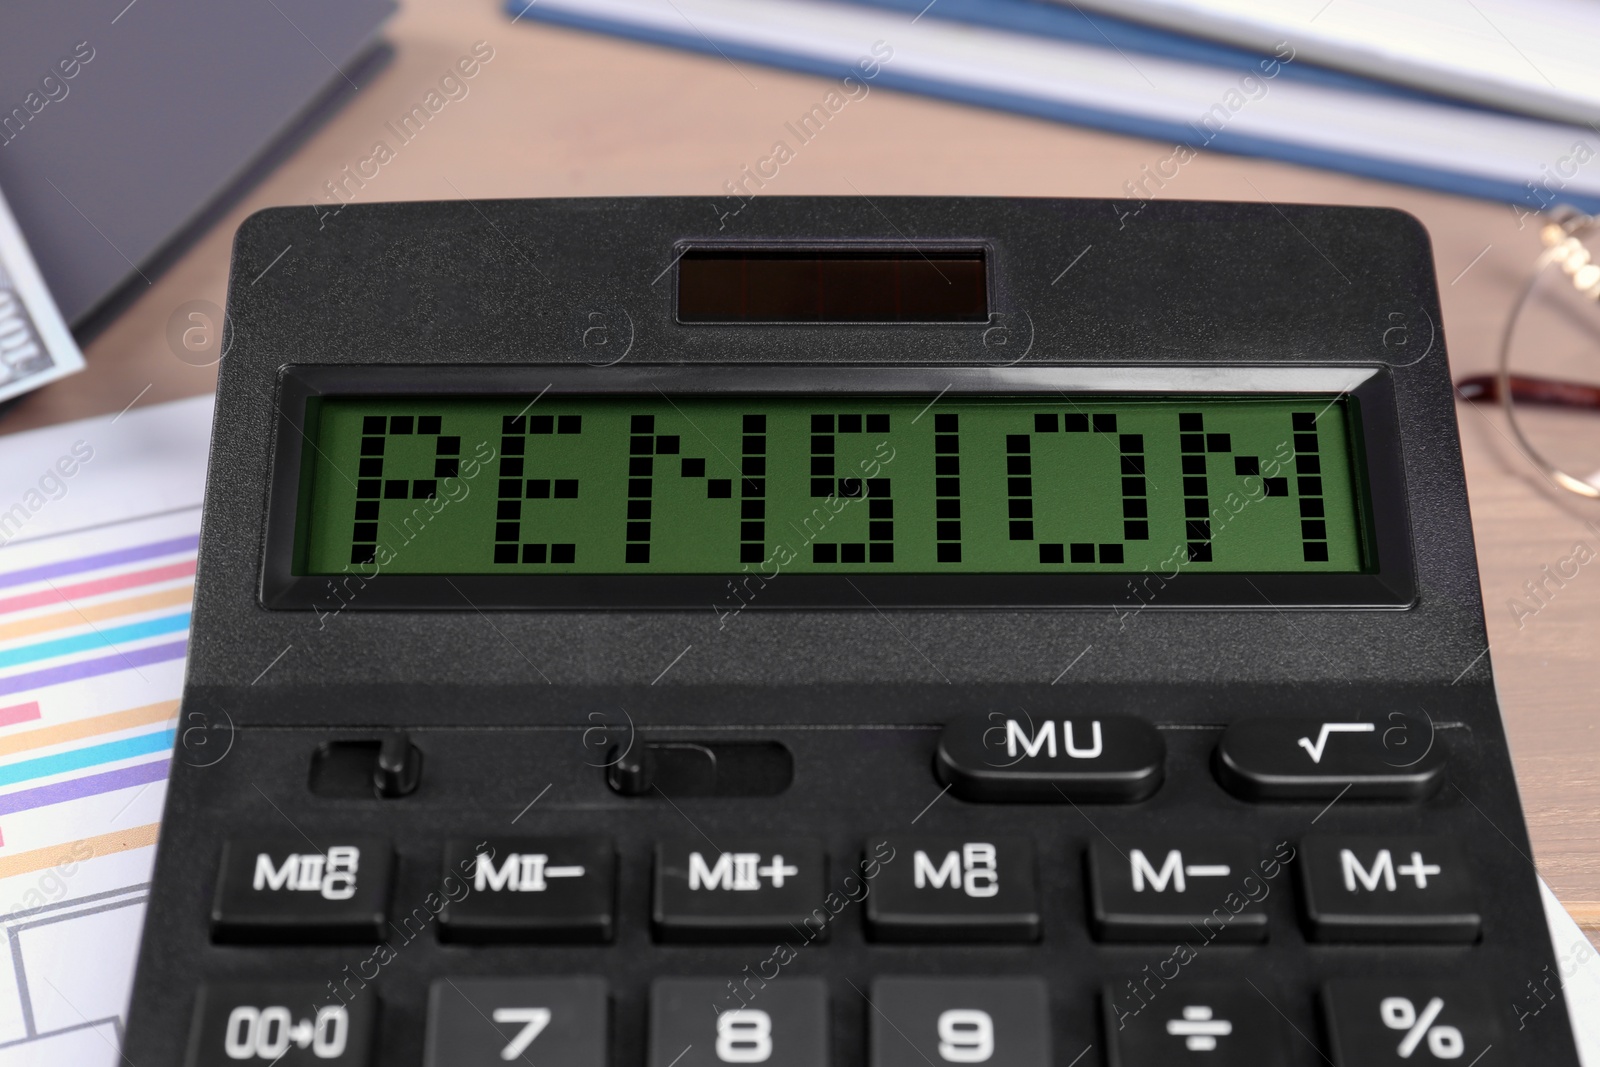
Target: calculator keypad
956 889
699 1022
529 889
484 1022
1005 757
1154 890
918 1021
746 891
1289 757
293 1024
284 888
932 930
1412 889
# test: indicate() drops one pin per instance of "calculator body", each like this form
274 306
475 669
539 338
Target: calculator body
1071 799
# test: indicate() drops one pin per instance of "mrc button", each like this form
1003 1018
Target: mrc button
1152 890
294 1024
1388 888
1293 757
756 889
529 889
955 889
1016 757
287 889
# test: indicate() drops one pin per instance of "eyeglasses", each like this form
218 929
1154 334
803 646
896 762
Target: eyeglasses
1541 378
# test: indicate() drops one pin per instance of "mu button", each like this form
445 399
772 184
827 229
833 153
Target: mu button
1414 889
1303 758
529 889
284 889
754 890
1207 888
1001 756
954 889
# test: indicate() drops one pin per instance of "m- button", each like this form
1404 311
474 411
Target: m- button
1152 890
1411 889
286 889
1005 756
749 890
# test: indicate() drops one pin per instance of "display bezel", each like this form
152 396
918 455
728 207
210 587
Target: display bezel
1390 583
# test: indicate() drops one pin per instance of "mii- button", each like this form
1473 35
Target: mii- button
1017 757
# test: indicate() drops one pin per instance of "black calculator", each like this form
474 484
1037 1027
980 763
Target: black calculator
841 632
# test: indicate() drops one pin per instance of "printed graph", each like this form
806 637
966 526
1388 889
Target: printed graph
93 635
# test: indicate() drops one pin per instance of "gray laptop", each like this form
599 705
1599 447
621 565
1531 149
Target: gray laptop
124 127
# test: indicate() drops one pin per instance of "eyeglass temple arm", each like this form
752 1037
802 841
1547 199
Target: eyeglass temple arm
1525 390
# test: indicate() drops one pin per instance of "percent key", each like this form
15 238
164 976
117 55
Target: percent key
1378 1022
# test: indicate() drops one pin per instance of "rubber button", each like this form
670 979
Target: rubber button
1003 757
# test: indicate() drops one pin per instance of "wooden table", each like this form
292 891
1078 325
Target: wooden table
562 113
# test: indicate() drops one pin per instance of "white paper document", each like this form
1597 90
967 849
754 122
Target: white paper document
99 522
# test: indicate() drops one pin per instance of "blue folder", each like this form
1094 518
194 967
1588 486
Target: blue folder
1071 24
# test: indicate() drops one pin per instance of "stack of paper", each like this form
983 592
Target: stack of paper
1531 56
1059 62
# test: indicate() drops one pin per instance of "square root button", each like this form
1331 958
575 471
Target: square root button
754 890
919 1021
708 1022
486 1022
548 889
1292 757
287 890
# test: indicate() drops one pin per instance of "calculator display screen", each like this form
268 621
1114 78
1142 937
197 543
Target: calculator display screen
838 484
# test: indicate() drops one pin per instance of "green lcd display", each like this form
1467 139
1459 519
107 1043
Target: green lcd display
859 484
